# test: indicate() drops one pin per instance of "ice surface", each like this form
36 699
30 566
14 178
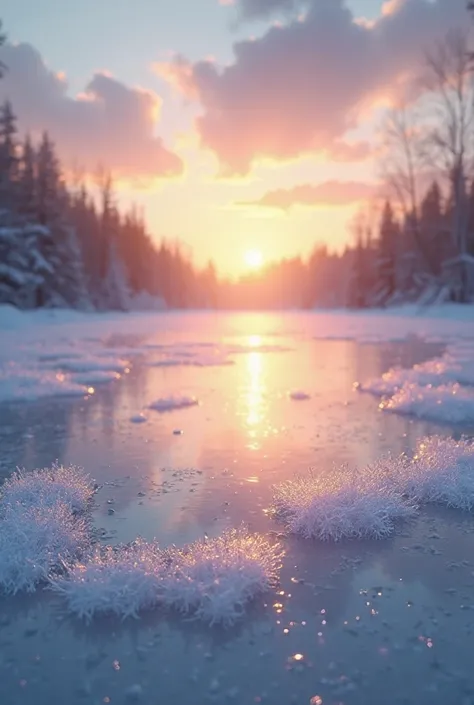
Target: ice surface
42 350
344 502
449 403
173 403
211 579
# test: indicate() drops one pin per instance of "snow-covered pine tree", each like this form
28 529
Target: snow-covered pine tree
27 206
387 249
66 285
9 161
24 271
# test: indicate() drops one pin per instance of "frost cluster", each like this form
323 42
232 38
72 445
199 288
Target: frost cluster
210 579
367 503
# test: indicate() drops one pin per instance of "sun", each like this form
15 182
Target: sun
253 259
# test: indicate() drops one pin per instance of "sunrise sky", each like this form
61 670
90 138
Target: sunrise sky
238 126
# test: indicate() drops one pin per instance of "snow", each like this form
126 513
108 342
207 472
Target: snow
449 403
369 503
173 403
210 579
436 372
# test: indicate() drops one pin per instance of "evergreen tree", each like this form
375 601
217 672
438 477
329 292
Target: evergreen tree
27 205
9 162
388 242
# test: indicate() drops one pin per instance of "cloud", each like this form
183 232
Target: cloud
253 9
109 122
327 193
301 86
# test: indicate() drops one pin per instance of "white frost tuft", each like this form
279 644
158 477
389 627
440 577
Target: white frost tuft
344 503
215 578
120 581
69 485
35 540
212 579
442 472
349 503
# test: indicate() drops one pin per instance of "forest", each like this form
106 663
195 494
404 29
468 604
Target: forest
65 244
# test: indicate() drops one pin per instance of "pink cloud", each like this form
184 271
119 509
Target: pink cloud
327 193
299 88
109 122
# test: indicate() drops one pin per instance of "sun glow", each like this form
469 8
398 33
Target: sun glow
253 259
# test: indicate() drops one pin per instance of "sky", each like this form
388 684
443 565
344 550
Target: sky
237 124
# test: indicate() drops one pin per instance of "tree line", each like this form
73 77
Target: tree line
69 245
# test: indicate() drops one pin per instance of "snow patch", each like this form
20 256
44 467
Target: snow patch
449 403
456 366
173 403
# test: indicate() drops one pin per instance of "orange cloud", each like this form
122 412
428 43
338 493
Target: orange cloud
109 122
300 88
327 193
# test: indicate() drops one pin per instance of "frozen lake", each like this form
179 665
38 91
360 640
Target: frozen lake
351 623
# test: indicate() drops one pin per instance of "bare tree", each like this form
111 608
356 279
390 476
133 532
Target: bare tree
403 168
450 141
